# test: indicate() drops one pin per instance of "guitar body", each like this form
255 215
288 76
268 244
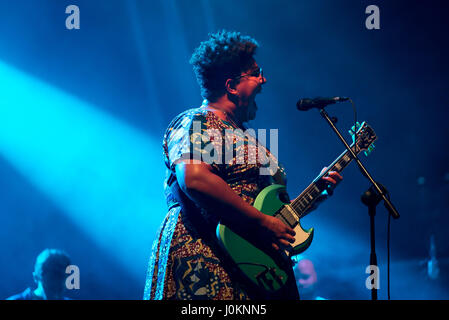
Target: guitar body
269 271
258 266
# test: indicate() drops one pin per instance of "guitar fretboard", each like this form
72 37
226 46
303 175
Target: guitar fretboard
305 200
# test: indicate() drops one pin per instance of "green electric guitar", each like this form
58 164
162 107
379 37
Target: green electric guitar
267 271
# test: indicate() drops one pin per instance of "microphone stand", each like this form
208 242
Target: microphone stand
371 197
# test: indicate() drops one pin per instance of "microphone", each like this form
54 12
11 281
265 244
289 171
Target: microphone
319 102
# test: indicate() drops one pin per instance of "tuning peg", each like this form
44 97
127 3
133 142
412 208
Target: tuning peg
354 128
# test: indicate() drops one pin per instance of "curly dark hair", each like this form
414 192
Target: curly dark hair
225 55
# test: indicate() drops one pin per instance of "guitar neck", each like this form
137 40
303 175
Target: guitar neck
304 201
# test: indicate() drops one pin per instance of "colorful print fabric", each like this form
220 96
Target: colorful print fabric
184 263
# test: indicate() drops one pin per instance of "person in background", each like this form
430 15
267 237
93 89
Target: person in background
49 275
306 279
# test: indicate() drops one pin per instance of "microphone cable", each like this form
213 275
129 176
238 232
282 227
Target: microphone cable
388 250
389 215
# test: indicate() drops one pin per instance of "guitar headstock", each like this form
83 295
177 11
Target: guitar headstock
364 137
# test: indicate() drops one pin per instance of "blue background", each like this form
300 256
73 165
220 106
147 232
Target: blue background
82 115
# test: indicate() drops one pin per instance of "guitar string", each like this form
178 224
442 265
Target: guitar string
298 204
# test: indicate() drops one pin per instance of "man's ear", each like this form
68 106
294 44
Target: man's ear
35 277
231 86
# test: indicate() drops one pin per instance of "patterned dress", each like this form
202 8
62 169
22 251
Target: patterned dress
186 261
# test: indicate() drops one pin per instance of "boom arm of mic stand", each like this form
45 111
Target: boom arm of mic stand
388 205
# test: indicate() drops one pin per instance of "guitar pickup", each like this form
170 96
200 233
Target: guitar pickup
287 216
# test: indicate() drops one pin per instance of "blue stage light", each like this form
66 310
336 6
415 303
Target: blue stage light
106 175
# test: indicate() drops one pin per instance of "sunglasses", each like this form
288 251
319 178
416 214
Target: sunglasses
255 73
